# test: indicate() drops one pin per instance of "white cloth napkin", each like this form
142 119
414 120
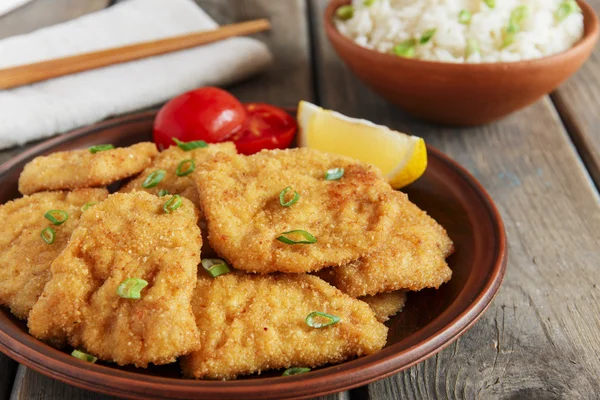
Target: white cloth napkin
59 105
7 6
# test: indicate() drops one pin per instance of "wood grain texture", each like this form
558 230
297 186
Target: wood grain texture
288 79
7 375
578 102
540 339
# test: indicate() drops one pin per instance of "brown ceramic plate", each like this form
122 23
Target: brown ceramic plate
431 320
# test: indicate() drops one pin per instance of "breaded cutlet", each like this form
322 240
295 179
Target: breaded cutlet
127 236
240 197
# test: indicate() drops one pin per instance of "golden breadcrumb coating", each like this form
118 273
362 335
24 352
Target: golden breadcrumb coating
82 169
413 258
169 160
239 196
25 257
125 236
386 305
251 323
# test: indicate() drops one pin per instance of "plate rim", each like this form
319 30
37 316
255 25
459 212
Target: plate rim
330 380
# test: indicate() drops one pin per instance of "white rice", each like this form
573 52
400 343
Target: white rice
387 23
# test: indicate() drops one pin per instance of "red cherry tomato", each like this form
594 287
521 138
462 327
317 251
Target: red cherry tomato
210 114
267 127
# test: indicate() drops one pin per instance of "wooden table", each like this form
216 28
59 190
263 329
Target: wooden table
540 339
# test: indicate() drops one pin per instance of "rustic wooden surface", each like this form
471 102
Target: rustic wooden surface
577 102
540 339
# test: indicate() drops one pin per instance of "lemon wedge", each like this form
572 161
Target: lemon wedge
402 158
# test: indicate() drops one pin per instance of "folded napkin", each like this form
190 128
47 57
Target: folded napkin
58 105
7 6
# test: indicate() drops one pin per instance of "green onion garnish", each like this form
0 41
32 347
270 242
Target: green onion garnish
57 217
163 192
368 3
464 17
427 36
490 3
131 288
48 235
331 319
345 12
405 49
187 146
565 9
215 266
295 371
100 147
517 16
173 203
334 174
472 47
84 356
309 239
154 178
292 201
185 167
88 205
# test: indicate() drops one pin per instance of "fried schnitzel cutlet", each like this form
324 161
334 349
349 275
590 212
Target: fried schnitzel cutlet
251 323
84 169
25 257
413 258
241 198
127 236
386 305
169 160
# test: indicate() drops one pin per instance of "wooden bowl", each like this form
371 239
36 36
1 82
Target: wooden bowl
431 320
461 94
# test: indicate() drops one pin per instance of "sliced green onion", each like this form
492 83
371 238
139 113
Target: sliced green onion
187 146
185 167
405 49
173 203
517 16
131 288
331 319
57 217
295 371
88 205
215 266
345 12
334 174
154 178
309 239
84 356
565 9
163 192
490 3
368 3
464 17
472 47
427 36
292 201
100 147
48 235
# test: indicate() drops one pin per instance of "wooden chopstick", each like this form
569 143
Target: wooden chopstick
39 71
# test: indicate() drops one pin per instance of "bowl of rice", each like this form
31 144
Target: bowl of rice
462 62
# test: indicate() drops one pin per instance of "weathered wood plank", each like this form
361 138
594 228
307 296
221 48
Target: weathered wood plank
540 339
577 102
32 385
7 375
288 80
